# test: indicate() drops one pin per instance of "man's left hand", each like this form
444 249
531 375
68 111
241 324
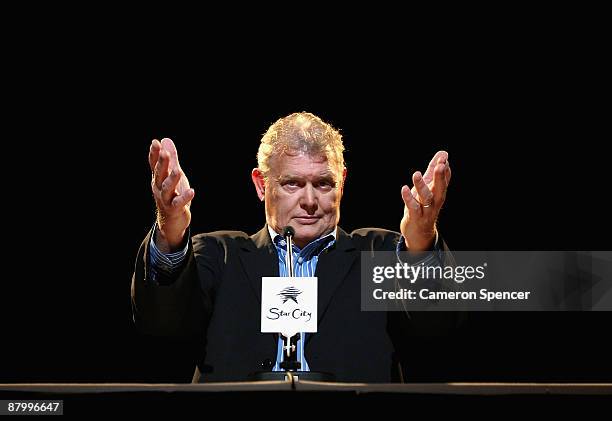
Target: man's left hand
423 202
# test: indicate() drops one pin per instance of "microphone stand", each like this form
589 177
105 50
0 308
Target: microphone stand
290 362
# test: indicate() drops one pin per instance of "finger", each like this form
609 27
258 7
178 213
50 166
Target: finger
447 174
440 183
154 153
424 194
161 169
168 145
168 190
414 208
429 173
183 184
183 199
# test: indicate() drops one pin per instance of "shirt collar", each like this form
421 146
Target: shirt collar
324 240
273 233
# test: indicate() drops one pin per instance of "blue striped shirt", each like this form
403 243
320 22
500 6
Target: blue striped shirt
164 267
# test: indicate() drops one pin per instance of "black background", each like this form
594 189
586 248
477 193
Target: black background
522 120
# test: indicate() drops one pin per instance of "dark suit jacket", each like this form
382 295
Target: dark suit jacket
217 298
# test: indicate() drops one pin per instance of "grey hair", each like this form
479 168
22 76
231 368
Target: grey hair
300 133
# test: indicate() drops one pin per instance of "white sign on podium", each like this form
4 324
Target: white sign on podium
289 305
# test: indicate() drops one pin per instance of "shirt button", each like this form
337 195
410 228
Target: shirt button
300 260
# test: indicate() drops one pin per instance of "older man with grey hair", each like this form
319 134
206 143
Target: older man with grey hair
209 286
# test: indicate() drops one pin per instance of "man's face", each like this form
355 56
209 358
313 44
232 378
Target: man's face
303 191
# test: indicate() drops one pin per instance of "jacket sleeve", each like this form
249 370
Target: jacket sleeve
434 322
183 307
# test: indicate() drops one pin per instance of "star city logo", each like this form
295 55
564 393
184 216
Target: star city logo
289 293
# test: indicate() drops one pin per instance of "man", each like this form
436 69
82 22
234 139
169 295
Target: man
209 286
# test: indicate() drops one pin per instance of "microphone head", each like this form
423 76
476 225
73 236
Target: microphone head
288 231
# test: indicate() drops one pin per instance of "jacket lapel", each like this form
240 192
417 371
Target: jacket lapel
332 268
259 258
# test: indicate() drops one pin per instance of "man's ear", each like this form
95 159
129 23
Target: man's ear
259 182
343 181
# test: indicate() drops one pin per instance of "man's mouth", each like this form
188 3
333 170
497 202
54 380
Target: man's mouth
307 220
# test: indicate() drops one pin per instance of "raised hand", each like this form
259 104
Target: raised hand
172 195
423 202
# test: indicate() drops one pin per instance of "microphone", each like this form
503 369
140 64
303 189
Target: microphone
288 234
288 231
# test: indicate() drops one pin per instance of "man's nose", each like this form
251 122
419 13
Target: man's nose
308 200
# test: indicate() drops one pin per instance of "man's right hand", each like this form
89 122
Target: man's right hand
172 195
